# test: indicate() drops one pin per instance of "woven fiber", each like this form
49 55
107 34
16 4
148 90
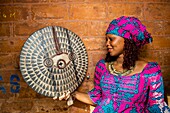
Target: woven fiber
53 60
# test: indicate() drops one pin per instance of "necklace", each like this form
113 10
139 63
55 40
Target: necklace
112 70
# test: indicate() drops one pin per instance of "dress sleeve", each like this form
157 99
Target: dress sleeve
156 103
95 93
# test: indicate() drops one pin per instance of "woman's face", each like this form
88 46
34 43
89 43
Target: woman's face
114 44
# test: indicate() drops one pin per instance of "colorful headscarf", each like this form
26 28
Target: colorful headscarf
130 28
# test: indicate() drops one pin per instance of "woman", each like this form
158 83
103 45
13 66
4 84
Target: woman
123 83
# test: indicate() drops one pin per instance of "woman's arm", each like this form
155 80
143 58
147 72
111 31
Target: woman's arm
94 96
83 97
156 101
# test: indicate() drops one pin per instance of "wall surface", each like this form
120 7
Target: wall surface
88 19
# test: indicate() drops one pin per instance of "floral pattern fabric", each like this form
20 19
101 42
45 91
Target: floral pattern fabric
139 93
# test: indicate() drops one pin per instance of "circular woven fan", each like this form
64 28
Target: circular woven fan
53 60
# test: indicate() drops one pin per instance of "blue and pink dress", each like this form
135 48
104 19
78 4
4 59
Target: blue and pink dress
139 93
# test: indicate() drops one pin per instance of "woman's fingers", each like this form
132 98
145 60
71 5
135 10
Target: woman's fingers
54 98
64 96
67 95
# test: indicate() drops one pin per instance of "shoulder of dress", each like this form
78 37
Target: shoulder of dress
152 69
101 61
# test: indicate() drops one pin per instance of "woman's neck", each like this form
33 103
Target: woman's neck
119 60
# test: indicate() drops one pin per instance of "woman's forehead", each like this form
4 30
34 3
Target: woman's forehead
114 36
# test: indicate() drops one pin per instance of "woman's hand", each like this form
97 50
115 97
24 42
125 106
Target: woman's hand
65 96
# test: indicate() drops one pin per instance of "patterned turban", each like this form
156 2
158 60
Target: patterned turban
130 28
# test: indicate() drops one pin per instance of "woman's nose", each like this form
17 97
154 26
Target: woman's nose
107 43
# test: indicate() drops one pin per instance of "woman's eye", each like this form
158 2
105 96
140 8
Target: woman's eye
111 39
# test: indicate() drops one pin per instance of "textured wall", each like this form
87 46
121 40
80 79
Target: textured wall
88 19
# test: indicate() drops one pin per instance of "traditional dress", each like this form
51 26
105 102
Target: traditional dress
139 93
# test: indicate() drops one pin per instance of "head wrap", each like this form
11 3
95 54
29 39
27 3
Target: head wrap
130 28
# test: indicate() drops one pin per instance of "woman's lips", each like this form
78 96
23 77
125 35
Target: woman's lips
109 49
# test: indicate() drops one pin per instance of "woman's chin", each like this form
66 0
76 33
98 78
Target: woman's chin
114 54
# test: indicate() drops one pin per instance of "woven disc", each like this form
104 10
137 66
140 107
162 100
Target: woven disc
53 60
